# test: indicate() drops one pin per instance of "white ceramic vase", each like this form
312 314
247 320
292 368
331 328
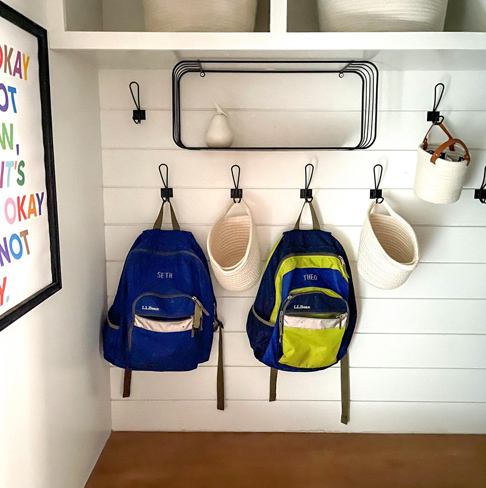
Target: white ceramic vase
219 132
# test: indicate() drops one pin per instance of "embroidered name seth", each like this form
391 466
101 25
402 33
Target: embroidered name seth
164 275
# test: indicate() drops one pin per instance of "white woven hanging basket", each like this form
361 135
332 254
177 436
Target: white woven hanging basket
234 252
200 15
388 249
440 180
382 15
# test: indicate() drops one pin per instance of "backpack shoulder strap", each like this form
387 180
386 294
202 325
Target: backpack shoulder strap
345 388
315 220
127 377
127 383
160 218
220 373
273 384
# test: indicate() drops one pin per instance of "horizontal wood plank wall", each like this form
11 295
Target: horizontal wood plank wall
419 356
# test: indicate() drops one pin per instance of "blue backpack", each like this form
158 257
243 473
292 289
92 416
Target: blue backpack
164 314
304 314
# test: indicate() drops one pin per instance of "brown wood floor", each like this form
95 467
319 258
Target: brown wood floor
233 460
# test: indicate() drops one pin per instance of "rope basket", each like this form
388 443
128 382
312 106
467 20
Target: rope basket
440 180
382 15
233 250
388 249
200 15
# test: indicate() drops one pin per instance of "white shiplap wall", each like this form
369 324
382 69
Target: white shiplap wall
419 356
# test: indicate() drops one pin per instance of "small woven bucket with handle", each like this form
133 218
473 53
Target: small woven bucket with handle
234 251
441 170
388 249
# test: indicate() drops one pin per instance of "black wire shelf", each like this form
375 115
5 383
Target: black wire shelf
365 70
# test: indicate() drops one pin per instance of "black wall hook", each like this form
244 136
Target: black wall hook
434 115
236 192
377 193
138 114
480 194
166 193
306 193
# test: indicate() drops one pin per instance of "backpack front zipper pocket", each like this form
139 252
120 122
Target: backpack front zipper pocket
164 325
297 270
165 332
159 317
312 323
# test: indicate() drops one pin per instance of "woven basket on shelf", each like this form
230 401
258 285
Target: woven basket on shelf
382 15
439 180
233 250
200 15
388 249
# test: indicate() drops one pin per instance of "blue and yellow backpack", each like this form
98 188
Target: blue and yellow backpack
305 314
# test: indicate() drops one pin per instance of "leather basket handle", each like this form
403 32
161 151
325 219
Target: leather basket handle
449 135
450 143
444 146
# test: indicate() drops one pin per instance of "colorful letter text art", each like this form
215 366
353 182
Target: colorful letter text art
25 263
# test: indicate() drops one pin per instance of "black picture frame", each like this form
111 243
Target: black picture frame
19 20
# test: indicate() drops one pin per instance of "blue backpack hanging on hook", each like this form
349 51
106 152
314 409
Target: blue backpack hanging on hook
164 313
304 314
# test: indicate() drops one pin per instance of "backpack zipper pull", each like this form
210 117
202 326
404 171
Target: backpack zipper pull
343 262
281 317
197 320
196 300
280 326
198 316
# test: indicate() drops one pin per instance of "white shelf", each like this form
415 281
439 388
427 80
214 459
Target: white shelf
266 41
395 51
461 50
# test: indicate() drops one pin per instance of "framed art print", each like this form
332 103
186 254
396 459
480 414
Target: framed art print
30 268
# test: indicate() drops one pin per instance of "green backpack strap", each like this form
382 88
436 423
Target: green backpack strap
315 221
273 384
127 378
127 383
220 374
160 218
345 389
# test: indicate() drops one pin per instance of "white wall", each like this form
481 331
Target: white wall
84 15
466 15
54 408
418 358
34 9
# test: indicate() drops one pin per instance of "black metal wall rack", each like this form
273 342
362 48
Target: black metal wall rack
365 70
